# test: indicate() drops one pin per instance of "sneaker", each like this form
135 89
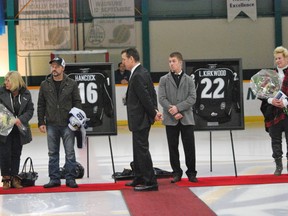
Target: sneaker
71 183
52 184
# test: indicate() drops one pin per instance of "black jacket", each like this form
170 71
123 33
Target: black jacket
25 112
141 100
53 109
271 113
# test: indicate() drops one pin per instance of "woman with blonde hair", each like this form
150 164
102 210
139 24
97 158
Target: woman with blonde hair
15 96
276 121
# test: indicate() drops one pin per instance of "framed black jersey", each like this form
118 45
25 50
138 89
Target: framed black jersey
97 91
219 88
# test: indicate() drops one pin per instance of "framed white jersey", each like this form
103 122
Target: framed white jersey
96 87
218 84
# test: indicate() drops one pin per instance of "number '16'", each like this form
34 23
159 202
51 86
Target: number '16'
91 93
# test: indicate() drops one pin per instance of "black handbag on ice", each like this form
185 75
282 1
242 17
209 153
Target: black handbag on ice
28 176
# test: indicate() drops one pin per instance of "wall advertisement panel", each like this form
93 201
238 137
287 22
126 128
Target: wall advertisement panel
219 87
44 25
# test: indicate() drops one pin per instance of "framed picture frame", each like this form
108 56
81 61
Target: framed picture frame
219 89
97 90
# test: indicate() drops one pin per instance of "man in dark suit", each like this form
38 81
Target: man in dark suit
142 113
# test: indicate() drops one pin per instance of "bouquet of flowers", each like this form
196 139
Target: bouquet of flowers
7 121
265 84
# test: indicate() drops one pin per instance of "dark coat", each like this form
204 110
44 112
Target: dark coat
119 76
25 112
272 115
53 109
141 100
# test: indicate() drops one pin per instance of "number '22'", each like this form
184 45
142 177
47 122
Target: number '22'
208 85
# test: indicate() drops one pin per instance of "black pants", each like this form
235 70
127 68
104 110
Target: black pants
143 166
275 132
10 154
188 140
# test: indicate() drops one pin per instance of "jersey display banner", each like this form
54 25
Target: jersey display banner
96 86
219 104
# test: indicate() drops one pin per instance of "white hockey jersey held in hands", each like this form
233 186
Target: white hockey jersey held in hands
77 121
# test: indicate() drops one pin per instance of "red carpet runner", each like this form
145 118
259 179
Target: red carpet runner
232 180
63 188
169 200
203 182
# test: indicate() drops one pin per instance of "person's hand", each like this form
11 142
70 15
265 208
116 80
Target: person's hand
278 103
124 81
17 122
173 110
158 116
178 116
42 128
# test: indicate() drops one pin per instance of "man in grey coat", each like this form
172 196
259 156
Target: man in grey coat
177 95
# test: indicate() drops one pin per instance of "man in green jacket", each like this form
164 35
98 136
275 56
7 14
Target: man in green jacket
58 94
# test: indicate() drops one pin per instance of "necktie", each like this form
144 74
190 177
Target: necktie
177 79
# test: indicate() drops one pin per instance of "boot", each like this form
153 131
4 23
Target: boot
279 166
16 183
6 182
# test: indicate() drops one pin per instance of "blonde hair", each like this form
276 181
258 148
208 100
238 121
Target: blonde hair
281 50
16 80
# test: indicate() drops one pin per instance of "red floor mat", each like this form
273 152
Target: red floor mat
63 188
169 200
233 180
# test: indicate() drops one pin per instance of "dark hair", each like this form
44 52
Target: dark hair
119 64
178 55
132 52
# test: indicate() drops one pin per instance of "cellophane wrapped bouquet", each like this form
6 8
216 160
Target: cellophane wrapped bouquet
7 121
265 84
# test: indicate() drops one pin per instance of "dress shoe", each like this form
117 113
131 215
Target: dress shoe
52 184
132 184
176 179
71 183
136 181
153 187
193 178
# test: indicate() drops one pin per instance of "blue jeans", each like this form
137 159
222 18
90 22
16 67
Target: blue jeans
54 133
